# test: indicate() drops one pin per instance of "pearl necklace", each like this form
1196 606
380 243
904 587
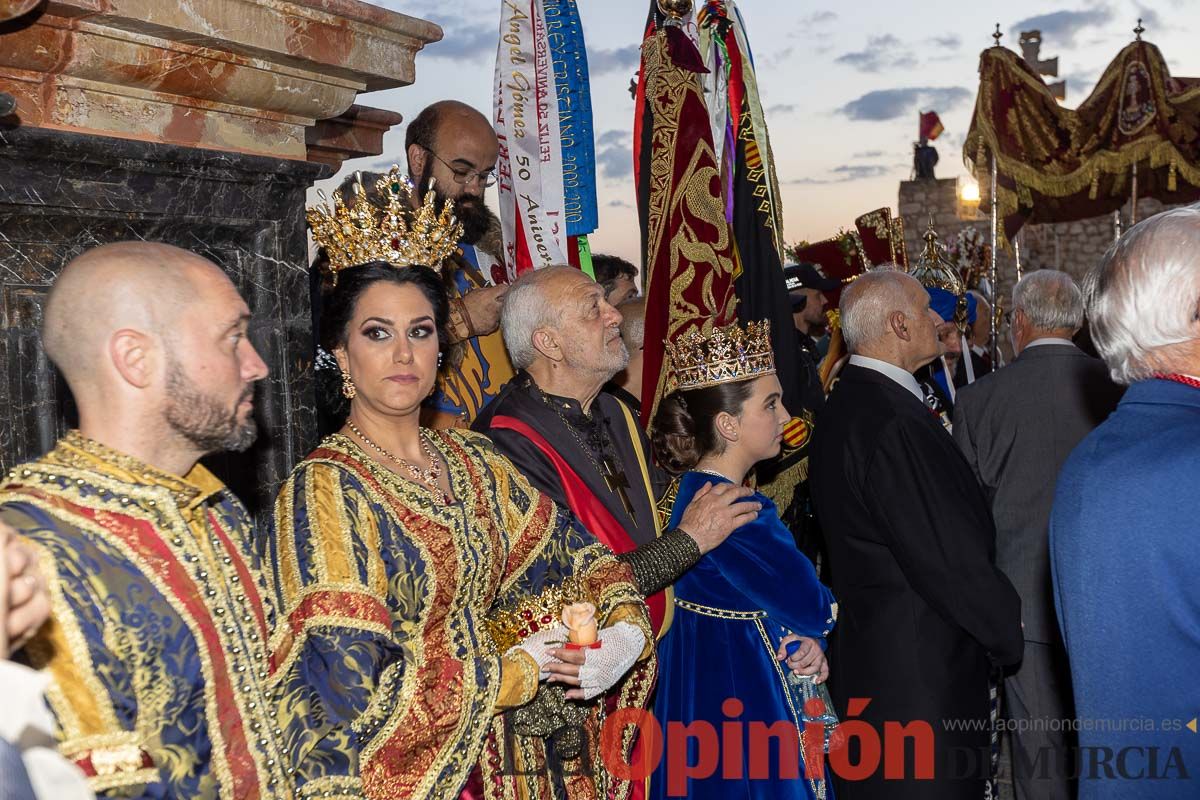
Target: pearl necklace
714 472
429 476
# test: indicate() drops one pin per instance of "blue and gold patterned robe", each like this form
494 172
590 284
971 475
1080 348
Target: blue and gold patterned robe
158 632
386 649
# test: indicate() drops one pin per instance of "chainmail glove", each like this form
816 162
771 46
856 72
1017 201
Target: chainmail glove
538 645
606 665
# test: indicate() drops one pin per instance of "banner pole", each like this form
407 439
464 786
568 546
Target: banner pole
993 337
1133 198
1017 251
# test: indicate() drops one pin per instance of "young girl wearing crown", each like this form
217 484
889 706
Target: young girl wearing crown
749 603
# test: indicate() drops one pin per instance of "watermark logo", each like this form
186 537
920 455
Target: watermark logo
736 749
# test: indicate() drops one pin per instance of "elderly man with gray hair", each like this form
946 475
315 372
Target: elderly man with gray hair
1123 534
582 446
1016 427
924 612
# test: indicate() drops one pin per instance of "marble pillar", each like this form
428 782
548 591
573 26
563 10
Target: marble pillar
201 123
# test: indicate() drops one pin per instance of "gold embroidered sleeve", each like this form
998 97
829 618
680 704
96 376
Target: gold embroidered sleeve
74 648
659 563
518 680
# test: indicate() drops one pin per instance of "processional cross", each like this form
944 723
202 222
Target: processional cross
1031 46
617 482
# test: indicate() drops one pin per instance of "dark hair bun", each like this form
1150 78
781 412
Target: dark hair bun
673 435
684 428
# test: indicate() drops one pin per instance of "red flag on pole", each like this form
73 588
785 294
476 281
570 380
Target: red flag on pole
931 126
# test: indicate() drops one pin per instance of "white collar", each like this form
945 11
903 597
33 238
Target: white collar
1049 340
889 370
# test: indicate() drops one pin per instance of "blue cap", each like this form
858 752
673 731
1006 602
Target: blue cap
944 303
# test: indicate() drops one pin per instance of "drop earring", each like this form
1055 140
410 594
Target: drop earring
348 388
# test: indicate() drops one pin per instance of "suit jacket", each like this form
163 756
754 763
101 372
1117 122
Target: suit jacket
1124 548
1016 427
924 612
980 366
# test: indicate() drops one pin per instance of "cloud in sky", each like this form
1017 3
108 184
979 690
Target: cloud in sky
465 39
611 137
881 52
950 145
886 104
621 59
772 60
614 155
1060 28
819 18
1079 84
845 173
869 154
950 42
781 108
1150 19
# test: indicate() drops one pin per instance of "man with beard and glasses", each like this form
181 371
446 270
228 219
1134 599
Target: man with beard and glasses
452 148
156 643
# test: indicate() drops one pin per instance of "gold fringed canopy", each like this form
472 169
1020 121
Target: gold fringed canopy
1057 164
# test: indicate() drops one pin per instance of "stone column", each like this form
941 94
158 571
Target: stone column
193 123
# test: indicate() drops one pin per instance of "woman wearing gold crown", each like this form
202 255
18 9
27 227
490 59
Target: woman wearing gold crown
750 602
396 545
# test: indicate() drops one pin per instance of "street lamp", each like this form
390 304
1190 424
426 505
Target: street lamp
968 191
968 198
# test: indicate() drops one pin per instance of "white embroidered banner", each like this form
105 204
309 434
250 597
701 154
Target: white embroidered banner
529 170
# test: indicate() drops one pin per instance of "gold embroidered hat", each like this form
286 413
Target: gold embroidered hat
727 354
394 229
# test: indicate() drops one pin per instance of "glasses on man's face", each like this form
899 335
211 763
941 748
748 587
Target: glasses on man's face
486 177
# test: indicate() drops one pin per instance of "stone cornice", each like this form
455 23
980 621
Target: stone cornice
244 75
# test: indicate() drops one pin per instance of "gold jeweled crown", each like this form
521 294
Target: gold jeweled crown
394 230
730 353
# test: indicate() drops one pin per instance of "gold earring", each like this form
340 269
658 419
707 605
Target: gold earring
348 388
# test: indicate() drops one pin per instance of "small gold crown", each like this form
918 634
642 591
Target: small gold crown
393 229
727 354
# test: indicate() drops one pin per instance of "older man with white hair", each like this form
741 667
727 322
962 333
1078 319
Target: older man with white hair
582 446
924 612
1016 427
1123 535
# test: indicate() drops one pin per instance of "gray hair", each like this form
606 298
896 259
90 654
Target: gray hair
1050 300
868 300
526 309
633 323
1142 296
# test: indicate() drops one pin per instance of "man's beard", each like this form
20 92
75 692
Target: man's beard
606 362
471 211
203 420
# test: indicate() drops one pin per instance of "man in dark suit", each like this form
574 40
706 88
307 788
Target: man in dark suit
1016 427
924 612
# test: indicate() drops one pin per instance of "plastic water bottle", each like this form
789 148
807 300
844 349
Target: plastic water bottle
815 703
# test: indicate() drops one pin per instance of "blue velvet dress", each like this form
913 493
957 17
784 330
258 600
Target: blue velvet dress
731 611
